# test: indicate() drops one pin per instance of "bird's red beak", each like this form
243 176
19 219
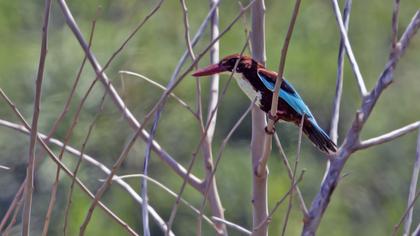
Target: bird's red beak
209 70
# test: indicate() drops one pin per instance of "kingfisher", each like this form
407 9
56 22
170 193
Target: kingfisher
257 83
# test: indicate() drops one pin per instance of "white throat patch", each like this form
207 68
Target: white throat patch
247 88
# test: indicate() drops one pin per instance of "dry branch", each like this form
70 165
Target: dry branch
12 206
78 154
388 136
335 117
232 225
59 163
351 142
259 182
26 216
413 188
355 67
289 207
302 203
279 80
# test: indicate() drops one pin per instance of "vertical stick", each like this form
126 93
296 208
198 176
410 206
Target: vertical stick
412 192
213 195
259 189
26 216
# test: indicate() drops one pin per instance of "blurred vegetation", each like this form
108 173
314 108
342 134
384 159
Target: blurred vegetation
367 202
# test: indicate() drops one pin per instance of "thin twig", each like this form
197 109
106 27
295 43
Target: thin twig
75 120
394 27
143 183
156 84
4 167
261 168
416 231
280 201
90 160
413 186
302 203
207 150
351 141
76 82
14 217
68 135
220 152
202 139
79 161
132 121
340 69
406 213
289 207
388 136
232 225
101 191
349 51
167 189
201 30
120 104
12 206
26 216
187 30
54 158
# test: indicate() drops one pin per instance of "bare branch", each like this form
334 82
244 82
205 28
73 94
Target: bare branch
339 84
290 174
413 186
279 80
259 182
68 135
406 213
394 37
79 161
195 39
14 217
232 225
241 12
416 231
322 199
58 162
187 30
279 202
4 167
104 187
202 139
195 182
91 161
12 206
349 51
168 190
289 207
26 216
388 136
209 129
214 80
156 84
220 152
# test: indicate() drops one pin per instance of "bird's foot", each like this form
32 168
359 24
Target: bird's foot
269 132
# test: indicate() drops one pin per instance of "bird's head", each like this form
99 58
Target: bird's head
227 64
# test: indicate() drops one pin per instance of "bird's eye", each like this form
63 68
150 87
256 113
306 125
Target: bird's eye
237 68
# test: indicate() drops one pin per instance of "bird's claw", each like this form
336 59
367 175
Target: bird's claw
269 132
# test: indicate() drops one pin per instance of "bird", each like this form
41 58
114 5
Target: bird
258 83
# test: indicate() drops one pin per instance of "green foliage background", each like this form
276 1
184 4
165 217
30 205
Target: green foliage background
367 202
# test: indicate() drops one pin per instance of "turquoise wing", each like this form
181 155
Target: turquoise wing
288 94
